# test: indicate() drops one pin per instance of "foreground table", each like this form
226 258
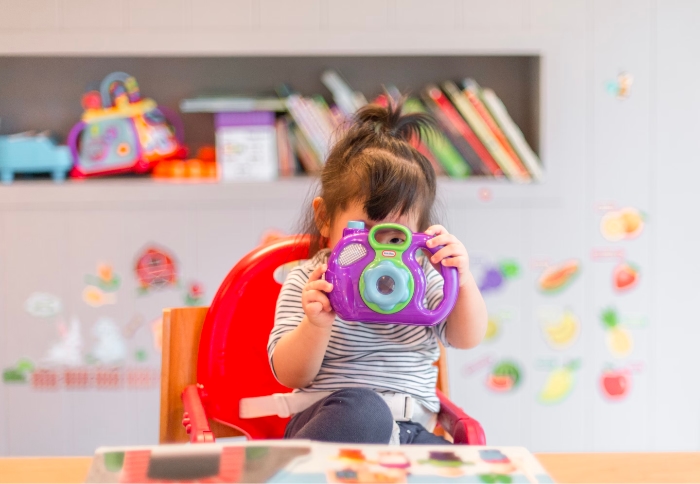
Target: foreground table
564 468
622 468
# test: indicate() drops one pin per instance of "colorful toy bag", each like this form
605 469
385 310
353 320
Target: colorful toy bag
121 132
384 283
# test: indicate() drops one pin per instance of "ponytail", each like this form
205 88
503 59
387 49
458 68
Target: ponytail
376 164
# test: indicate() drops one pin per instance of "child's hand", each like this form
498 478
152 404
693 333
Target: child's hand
316 305
454 254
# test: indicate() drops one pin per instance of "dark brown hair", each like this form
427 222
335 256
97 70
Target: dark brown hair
374 163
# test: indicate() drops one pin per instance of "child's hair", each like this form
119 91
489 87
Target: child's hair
374 163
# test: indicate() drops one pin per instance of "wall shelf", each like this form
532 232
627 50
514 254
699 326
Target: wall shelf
43 93
135 193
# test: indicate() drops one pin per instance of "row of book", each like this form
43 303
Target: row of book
475 137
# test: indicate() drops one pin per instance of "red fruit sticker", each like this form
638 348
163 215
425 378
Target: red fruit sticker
615 384
505 376
625 277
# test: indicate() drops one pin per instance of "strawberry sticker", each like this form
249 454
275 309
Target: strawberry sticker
625 277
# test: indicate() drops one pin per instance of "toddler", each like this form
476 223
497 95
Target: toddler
370 383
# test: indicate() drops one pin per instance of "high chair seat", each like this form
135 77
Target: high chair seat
232 363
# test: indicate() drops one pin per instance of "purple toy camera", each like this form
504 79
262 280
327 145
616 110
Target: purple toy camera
376 282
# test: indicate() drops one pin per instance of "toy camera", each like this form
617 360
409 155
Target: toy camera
377 282
121 132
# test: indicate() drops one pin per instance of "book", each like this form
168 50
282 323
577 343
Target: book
443 151
513 133
246 146
231 104
484 133
284 148
306 155
297 461
459 133
423 150
314 121
347 100
416 142
472 91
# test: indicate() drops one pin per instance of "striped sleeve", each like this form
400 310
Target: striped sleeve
289 311
434 296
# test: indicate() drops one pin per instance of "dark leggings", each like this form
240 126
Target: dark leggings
355 415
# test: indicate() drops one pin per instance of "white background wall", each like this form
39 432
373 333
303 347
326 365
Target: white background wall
598 150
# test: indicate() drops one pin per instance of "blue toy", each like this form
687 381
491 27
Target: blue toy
29 153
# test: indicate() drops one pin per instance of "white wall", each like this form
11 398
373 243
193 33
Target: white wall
598 150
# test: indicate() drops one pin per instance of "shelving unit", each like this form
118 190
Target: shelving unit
40 93
128 193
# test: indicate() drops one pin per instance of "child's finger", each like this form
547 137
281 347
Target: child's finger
436 230
442 239
453 261
318 297
326 305
313 308
319 285
315 295
317 273
447 251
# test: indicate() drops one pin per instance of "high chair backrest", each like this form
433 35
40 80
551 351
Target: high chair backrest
232 360
223 348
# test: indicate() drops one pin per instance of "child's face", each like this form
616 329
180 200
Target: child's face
356 212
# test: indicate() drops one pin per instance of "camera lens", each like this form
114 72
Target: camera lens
385 285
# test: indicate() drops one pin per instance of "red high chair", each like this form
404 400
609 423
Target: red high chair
232 363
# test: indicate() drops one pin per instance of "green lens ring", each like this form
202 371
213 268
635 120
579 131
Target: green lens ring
399 305
399 248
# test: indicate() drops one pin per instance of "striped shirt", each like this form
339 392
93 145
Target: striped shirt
387 358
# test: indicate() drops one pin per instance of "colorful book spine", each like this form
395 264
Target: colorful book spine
306 120
472 91
345 98
307 157
459 132
513 133
444 152
327 120
482 131
423 150
417 142
284 149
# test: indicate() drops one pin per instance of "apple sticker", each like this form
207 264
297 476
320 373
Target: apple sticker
615 383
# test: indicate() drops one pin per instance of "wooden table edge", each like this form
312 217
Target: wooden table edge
564 468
